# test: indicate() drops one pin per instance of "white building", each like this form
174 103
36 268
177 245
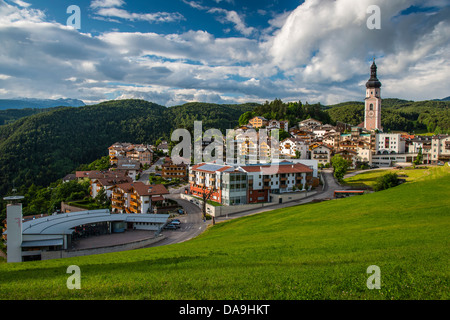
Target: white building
290 146
387 143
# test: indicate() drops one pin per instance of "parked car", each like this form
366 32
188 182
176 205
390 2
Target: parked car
175 222
171 226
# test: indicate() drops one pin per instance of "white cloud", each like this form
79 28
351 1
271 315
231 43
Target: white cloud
21 3
319 52
106 3
150 17
235 18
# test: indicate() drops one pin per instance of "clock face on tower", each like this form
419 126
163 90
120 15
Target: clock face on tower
371 113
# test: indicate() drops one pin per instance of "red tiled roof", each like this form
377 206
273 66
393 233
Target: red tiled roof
280 168
95 174
142 189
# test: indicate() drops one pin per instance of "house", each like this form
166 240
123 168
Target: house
139 152
128 167
136 197
163 146
170 170
105 183
258 122
322 153
290 147
69 177
275 124
364 155
309 123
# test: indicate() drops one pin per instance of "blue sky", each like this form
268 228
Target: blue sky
223 51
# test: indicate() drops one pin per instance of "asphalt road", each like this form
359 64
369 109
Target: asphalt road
146 173
191 223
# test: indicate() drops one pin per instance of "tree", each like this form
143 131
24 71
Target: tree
419 158
206 196
101 198
340 166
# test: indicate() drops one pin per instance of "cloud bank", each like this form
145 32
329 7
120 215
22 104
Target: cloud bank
319 52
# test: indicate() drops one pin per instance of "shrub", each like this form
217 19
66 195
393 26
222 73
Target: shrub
386 181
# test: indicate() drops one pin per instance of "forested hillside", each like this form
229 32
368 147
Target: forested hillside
396 114
44 147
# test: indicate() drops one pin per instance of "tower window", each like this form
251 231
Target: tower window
371 107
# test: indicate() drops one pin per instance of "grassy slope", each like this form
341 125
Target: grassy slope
409 174
314 251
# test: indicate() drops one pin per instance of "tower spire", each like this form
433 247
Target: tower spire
373 81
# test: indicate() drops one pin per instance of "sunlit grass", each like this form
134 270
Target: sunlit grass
313 251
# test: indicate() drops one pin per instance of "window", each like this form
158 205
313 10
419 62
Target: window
371 107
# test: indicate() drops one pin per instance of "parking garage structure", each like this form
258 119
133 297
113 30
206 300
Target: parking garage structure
34 238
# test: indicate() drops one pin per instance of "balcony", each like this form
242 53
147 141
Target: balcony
134 196
116 207
266 179
117 195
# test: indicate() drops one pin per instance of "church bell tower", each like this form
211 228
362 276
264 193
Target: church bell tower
372 111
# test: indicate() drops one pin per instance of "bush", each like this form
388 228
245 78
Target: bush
386 181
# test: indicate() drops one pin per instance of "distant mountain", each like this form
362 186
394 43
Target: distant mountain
22 103
445 99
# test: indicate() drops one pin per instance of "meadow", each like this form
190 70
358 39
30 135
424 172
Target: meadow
313 251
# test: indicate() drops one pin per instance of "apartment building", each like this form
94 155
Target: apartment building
387 143
440 149
136 197
234 184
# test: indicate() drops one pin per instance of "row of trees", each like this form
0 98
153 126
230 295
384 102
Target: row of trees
291 111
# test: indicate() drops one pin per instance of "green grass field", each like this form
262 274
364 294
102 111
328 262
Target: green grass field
368 179
313 251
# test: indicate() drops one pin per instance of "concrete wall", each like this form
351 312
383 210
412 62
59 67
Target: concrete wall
47 255
219 211
66 208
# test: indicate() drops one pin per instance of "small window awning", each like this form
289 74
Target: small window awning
158 198
42 243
